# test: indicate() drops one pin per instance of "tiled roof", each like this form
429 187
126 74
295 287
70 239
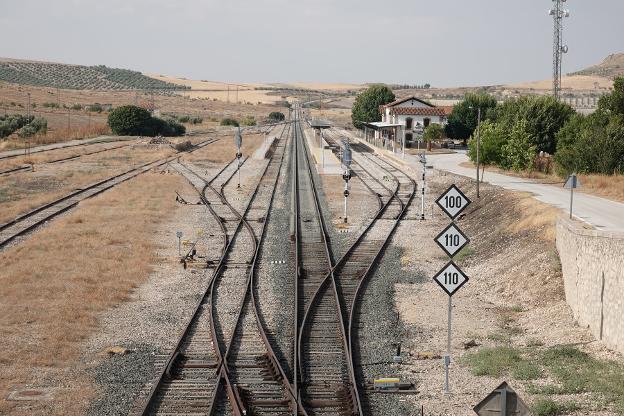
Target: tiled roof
448 109
419 111
402 100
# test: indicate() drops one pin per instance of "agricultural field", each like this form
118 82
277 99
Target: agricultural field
79 77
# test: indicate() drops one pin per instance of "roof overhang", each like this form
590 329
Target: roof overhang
378 125
320 124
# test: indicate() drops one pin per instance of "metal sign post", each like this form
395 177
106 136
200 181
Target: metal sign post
451 278
179 235
571 183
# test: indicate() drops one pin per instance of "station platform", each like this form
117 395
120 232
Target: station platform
326 162
261 151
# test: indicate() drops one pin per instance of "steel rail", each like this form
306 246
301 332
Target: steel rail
209 293
250 296
394 195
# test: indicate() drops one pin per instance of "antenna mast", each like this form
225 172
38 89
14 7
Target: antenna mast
558 13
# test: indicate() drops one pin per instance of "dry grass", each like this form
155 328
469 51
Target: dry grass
608 186
56 136
23 191
574 82
53 286
533 215
50 155
224 150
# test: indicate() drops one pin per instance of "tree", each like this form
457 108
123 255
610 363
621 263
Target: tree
129 120
276 116
544 117
614 102
493 138
518 153
462 122
592 144
366 106
433 133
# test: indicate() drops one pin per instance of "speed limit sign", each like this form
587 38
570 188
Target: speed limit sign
453 201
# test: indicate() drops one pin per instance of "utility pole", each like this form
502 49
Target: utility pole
68 118
478 146
423 160
558 13
28 108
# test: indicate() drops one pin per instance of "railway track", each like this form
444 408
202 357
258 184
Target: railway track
395 192
223 362
31 220
323 371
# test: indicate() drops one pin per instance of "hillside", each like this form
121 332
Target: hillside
78 77
611 67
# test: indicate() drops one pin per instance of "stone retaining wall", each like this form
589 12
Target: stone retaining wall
593 273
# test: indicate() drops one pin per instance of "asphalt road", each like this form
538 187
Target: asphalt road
601 213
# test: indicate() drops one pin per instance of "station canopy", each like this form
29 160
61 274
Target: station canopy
320 124
379 125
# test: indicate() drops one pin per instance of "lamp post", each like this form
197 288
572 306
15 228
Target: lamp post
478 144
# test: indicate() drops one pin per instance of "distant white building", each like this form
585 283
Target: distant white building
413 114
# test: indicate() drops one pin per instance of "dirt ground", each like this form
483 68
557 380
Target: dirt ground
514 300
225 149
54 285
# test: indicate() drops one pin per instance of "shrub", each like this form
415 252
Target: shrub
40 125
130 120
196 120
277 116
96 108
248 121
9 124
183 119
546 407
26 131
229 122
184 146
76 107
172 128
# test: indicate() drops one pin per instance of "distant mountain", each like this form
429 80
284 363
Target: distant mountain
78 77
611 67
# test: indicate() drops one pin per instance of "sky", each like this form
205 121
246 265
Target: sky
444 43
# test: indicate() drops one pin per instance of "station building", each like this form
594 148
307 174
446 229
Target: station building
403 121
